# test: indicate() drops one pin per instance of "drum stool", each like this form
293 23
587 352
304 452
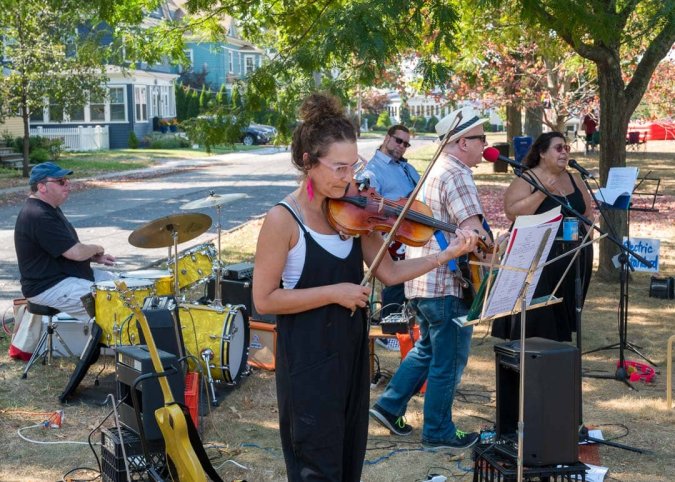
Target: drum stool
45 338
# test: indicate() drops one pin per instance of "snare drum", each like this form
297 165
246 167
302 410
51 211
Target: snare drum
113 315
223 331
195 265
162 279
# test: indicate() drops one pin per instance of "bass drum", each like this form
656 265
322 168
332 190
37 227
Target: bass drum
224 331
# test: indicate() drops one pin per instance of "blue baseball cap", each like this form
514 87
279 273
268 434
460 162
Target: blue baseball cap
45 170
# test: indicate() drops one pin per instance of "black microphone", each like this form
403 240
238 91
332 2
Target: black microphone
584 172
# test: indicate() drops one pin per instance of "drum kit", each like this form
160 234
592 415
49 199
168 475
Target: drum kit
215 335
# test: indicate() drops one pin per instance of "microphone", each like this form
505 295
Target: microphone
492 154
584 172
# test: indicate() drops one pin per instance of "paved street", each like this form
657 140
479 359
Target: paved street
106 215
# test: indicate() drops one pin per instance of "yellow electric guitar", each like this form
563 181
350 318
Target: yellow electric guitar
182 459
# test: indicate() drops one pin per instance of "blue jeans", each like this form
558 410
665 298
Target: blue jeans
439 356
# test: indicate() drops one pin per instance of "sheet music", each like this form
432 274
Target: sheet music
527 234
620 182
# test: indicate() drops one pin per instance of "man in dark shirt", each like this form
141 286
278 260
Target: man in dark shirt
54 265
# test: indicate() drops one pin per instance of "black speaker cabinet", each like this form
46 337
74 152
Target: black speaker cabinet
162 315
132 362
552 391
238 292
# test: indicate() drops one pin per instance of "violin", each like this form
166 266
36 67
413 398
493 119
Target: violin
364 211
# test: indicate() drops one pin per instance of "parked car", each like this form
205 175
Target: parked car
258 134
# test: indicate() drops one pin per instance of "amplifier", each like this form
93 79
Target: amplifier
238 292
132 362
662 287
263 345
238 271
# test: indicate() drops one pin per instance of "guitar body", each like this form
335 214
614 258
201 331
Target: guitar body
184 465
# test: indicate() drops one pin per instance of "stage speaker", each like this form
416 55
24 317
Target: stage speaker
162 315
551 410
132 362
238 292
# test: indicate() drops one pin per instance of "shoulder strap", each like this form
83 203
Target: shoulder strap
293 213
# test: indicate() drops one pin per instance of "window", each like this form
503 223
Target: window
231 67
76 113
55 112
97 108
249 64
117 104
189 53
141 103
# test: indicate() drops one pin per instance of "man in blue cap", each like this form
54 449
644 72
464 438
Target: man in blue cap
54 265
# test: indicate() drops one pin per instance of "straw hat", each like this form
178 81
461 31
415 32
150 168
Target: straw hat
458 123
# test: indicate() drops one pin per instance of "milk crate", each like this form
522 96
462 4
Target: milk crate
113 468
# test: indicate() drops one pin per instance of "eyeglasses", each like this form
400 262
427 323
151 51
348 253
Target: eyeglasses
400 141
561 147
60 182
482 137
341 170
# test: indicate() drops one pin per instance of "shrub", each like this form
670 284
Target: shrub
39 155
431 123
383 121
157 140
133 140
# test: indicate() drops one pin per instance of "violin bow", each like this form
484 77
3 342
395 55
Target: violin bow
413 195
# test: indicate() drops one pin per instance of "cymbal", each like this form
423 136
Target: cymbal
213 200
159 233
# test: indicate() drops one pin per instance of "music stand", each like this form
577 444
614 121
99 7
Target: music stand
521 274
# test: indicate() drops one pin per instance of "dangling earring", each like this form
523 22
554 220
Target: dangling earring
310 189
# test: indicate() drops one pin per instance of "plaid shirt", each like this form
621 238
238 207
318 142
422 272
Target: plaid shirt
451 194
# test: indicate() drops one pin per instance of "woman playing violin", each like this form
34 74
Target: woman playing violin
309 275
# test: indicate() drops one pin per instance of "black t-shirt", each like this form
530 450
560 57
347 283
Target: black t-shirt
41 235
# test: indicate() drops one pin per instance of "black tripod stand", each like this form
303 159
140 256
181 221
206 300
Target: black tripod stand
622 260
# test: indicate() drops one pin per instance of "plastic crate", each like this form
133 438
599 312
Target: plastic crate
192 396
492 466
113 468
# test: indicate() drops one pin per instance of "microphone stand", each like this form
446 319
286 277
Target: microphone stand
621 373
519 171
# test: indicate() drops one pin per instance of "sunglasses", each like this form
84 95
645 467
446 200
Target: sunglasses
561 147
482 137
399 141
60 182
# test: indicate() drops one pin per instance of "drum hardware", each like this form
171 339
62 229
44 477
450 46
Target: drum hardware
207 356
217 201
169 231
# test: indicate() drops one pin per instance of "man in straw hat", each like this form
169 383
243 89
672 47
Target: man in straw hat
54 265
442 351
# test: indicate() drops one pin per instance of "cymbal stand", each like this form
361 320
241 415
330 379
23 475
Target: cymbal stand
217 301
176 326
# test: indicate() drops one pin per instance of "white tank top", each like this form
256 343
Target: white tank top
295 261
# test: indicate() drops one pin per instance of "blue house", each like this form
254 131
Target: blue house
135 97
225 61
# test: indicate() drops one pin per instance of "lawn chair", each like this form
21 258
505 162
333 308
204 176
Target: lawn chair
635 139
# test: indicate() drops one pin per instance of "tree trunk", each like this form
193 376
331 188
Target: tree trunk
534 119
26 138
613 126
514 124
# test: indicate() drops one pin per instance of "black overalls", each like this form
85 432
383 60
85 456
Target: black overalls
322 375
